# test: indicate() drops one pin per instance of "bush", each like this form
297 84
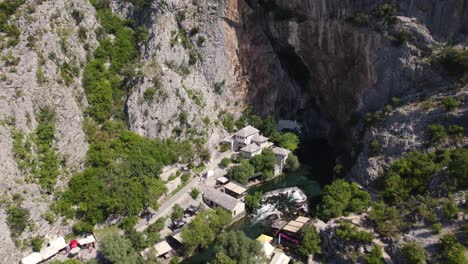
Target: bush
386 12
310 242
341 198
395 101
177 212
436 133
457 168
194 193
129 222
375 256
376 118
292 163
413 253
228 121
225 162
218 86
224 147
436 227
457 131
452 251
185 177
148 95
404 37
36 243
349 232
374 146
360 19
386 219
200 40
17 220
455 61
408 175
450 209
450 103
183 118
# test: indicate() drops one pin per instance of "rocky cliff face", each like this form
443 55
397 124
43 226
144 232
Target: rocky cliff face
300 60
304 59
197 74
33 78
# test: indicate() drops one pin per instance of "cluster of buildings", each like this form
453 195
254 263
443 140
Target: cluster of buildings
249 143
57 246
229 194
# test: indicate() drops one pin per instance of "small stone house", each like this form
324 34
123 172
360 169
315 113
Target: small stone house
244 137
216 198
251 150
281 157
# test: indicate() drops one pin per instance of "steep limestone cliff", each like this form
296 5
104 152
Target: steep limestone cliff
33 78
183 69
305 60
300 60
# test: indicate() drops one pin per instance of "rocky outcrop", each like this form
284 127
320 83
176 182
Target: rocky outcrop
212 44
304 60
405 129
49 40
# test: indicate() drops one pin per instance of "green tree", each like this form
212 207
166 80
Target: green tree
222 258
228 121
265 162
238 247
177 212
292 163
349 232
287 140
118 250
452 250
253 201
342 197
203 229
413 253
310 243
410 174
241 173
386 219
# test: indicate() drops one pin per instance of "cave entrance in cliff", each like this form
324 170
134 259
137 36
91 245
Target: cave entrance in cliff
319 156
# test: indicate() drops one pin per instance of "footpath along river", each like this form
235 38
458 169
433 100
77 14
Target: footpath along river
317 159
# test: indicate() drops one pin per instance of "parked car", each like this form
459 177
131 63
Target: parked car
178 223
191 210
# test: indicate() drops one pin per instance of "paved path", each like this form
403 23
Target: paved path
166 207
